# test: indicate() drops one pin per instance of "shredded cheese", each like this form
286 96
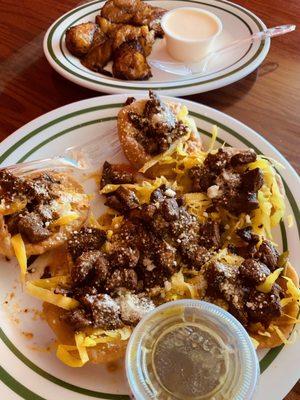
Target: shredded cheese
15 207
79 340
254 342
20 252
65 219
48 296
63 354
267 285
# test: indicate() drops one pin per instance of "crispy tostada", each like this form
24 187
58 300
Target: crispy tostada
200 229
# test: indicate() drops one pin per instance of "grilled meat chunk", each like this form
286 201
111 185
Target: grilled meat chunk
243 157
125 257
130 62
32 227
210 235
253 272
263 307
79 38
122 200
91 267
268 254
223 282
115 174
252 180
78 319
84 240
105 311
247 236
122 278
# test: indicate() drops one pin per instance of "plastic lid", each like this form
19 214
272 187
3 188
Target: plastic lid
191 349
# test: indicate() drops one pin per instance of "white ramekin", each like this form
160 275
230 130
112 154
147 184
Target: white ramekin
189 49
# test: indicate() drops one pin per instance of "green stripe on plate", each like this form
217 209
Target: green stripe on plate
161 82
17 387
70 71
5 377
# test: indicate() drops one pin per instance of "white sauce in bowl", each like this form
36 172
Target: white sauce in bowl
190 32
191 24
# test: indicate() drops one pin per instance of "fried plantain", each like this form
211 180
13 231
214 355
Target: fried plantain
113 13
99 55
128 33
148 15
130 62
79 38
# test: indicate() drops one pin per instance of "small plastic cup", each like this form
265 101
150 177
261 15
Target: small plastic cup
189 49
191 349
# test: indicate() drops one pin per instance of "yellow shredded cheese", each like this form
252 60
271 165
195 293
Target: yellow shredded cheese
20 252
65 219
161 158
292 289
265 333
267 285
15 207
51 283
254 342
79 340
63 354
48 296
179 288
279 333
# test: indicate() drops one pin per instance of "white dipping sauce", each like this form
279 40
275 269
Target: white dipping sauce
191 24
190 32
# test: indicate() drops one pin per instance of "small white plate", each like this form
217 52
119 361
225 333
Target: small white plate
238 23
39 375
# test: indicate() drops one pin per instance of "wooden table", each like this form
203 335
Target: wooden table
267 100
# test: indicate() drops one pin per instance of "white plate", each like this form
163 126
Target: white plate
36 375
237 21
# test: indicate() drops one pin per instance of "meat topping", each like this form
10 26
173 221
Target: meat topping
225 182
84 240
115 174
92 266
105 311
157 125
122 200
32 227
268 255
264 307
253 272
122 278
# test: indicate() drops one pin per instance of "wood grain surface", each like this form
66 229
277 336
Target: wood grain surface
267 100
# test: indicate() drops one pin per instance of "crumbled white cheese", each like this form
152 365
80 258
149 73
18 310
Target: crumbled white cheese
213 191
134 308
170 192
248 219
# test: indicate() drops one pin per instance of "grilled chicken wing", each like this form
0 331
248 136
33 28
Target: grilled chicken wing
130 62
79 38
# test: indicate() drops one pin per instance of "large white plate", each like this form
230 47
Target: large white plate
36 375
238 23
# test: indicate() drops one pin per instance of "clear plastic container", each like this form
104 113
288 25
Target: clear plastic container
191 349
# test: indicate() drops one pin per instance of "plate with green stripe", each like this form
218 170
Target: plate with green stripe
29 368
237 21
